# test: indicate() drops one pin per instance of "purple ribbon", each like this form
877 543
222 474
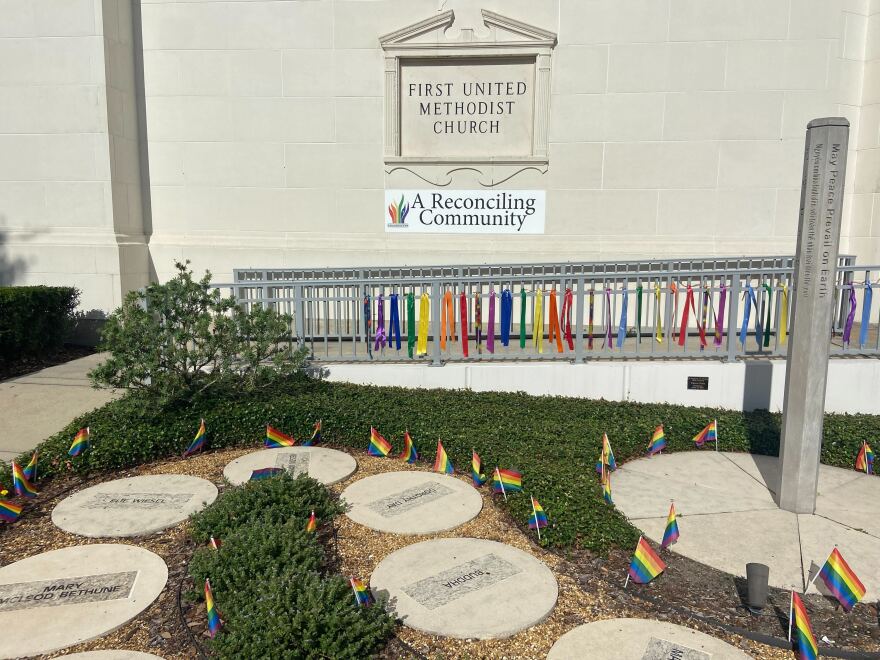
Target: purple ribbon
847 328
490 333
380 323
719 318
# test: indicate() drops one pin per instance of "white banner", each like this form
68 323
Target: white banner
464 211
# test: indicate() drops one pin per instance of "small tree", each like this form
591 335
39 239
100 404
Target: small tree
182 337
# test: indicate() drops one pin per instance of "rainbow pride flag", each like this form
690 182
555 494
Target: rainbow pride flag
361 592
670 534
410 455
30 470
865 459
708 434
658 441
315 438
842 581
9 512
215 543
23 486
198 442
80 442
379 446
606 456
606 486
265 473
506 481
805 647
213 615
312 525
442 463
646 564
476 469
538 520
275 438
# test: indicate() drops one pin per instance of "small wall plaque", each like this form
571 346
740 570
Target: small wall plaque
698 383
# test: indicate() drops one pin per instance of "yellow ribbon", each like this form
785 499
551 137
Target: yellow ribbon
538 324
424 313
658 313
783 316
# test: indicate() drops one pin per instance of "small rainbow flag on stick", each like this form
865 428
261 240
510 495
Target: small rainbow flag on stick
538 518
410 455
198 442
379 446
476 469
9 512
805 647
841 580
275 438
606 456
506 481
213 615
361 592
646 564
658 441
265 473
708 434
442 463
315 438
80 442
865 459
215 543
312 525
30 470
670 535
23 487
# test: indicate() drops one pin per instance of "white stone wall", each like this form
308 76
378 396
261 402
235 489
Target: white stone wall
865 216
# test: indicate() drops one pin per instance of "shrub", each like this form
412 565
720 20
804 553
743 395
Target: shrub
34 320
182 337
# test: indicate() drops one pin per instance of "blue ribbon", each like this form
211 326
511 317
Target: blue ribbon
744 328
621 330
506 316
866 314
394 322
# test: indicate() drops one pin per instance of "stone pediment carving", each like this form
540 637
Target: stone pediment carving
466 99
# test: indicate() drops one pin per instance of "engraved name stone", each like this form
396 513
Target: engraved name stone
411 498
66 591
458 581
662 649
106 501
295 464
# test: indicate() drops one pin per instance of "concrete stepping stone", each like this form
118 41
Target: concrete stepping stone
625 639
326 465
64 597
113 654
136 506
466 588
412 502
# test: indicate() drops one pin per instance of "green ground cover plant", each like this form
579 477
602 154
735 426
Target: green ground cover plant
553 441
269 579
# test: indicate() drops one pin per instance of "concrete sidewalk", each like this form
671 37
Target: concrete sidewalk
35 406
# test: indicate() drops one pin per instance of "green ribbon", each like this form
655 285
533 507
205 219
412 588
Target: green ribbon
410 322
522 318
769 290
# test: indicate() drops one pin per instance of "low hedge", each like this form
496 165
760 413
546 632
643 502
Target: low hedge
267 577
34 320
553 441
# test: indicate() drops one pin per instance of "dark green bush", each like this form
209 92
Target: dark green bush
554 441
34 320
264 503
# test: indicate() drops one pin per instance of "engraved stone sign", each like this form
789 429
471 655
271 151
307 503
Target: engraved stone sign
661 649
411 498
295 464
458 581
67 591
106 501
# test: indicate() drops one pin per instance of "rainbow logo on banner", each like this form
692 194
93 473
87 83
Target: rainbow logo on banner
398 211
842 581
646 564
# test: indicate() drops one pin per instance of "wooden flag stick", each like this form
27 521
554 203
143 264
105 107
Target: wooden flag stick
358 600
790 615
500 482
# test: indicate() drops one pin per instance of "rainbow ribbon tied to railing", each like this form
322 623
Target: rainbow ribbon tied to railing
750 299
658 313
866 313
367 322
782 325
424 316
621 329
394 321
506 316
719 317
850 317
464 328
380 323
567 303
410 323
490 331
538 321
606 320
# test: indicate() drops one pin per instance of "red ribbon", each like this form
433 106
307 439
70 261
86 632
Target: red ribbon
688 306
566 317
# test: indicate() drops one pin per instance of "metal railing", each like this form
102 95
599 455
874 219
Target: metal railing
721 313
